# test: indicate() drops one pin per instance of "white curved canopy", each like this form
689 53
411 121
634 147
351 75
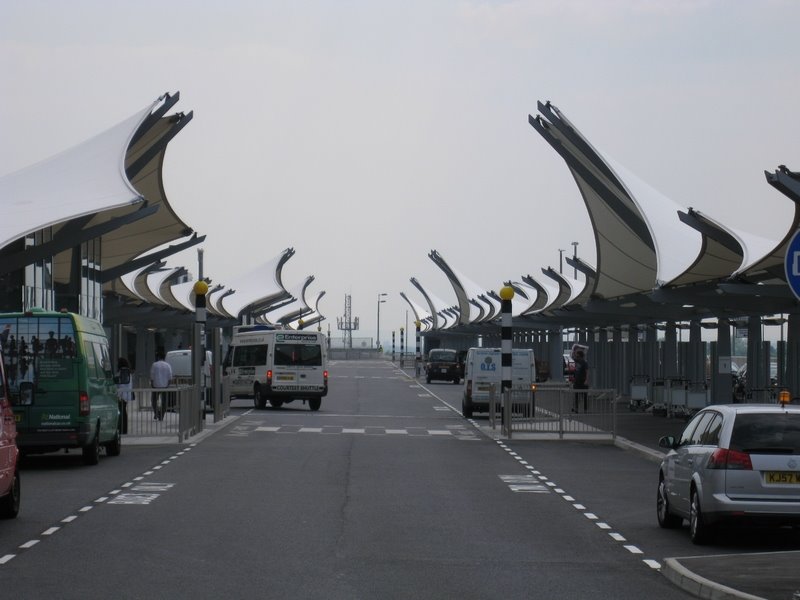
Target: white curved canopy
83 180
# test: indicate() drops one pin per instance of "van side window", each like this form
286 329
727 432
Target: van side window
103 360
91 360
247 356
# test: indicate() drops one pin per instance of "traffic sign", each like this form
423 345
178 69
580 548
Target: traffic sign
791 264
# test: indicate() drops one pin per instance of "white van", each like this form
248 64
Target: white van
277 365
483 369
181 363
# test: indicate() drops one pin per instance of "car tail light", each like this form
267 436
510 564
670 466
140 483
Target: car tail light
269 377
84 405
325 376
722 458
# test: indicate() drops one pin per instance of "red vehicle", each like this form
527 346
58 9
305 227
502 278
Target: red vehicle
9 454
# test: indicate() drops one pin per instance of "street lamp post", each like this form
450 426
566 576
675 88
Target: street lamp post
380 301
575 256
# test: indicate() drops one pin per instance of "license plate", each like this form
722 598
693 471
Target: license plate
792 477
285 377
444 370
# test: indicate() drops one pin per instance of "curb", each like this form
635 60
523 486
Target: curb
701 587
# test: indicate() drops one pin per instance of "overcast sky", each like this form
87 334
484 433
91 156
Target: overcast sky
364 134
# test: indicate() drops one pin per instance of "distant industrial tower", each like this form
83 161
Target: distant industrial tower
347 324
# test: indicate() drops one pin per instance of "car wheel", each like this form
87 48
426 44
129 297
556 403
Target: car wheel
314 403
456 381
275 402
114 447
91 451
9 505
665 518
699 531
259 400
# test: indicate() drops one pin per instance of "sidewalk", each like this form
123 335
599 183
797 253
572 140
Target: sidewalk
170 438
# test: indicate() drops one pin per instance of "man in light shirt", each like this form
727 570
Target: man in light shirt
160 377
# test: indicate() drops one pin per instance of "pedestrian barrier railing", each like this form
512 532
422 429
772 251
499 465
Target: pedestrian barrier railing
559 412
178 411
762 395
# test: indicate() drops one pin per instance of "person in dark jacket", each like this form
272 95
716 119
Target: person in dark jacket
581 380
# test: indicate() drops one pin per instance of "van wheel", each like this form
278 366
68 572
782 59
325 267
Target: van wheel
466 408
259 400
275 402
315 403
9 505
114 447
91 451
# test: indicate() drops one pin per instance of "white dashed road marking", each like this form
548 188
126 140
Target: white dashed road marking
528 483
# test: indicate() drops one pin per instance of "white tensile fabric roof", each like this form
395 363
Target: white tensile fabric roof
83 180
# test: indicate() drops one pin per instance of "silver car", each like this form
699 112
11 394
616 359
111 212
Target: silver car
732 463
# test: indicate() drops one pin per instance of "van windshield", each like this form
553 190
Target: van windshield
292 355
38 350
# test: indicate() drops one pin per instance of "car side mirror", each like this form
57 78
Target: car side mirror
668 441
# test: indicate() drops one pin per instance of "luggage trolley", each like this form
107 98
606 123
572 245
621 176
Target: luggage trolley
641 393
678 403
697 397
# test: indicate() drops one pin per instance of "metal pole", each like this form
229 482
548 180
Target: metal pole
506 294
419 354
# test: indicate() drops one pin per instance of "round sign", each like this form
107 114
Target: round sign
791 264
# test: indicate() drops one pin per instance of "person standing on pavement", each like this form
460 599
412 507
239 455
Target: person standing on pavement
160 377
581 380
124 387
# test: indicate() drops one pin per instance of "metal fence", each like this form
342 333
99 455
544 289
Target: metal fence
558 412
181 410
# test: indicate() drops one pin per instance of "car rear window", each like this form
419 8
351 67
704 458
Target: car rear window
773 432
443 356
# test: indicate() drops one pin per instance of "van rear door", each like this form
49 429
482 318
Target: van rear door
298 364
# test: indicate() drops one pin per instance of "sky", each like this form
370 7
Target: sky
365 134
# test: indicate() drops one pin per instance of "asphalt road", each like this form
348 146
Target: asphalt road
386 492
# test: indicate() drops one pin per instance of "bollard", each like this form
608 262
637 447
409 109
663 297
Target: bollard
506 294
419 355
